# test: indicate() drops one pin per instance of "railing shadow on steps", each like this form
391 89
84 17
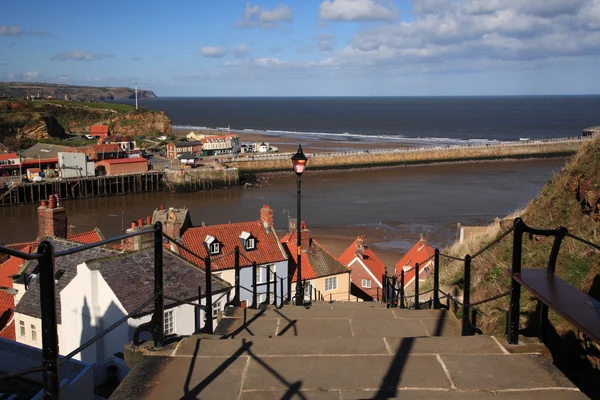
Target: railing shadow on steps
46 255
394 287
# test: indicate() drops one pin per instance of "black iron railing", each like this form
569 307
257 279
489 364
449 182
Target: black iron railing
45 255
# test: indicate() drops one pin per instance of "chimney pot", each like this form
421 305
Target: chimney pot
140 222
51 202
133 224
44 203
148 220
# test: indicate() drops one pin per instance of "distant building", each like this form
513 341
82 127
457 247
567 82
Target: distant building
217 145
176 149
100 131
321 269
367 269
121 166
9 161
592 131
74 165
257 241
99 152
421 253
34 173
126 143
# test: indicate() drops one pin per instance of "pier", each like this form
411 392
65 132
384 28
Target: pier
82 188
414 155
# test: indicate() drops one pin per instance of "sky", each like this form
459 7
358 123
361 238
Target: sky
307 47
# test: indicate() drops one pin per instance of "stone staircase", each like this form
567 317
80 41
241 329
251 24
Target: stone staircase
342 351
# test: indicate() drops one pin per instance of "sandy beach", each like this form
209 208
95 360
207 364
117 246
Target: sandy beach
310 144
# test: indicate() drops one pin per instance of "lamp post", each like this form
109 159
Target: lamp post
299 163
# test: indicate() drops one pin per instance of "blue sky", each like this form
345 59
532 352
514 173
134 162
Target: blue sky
307 47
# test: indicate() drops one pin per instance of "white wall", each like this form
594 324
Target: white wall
73 165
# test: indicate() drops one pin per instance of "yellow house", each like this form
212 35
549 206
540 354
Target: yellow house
320 269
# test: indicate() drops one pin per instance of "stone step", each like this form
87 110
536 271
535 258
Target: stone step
405 374
337 309
300 346
348 322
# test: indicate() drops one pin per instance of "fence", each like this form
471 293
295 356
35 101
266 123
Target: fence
45 256
393 291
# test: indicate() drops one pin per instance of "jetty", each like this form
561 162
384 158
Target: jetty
82 188
548 148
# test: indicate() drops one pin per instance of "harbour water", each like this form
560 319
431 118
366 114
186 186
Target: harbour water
394 205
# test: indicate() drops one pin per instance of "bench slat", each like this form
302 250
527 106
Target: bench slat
568 301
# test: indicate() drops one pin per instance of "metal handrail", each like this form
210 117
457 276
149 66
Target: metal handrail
213 259
496 297
452 257
494 242
597 247
189 303
19 254
101 243
25 371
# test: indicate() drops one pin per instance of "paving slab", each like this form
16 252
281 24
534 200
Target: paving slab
441 327
447 345
317 327
495 372
345 373
387 327
247 328
457 395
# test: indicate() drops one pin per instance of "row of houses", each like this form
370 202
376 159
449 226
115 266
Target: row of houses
207 145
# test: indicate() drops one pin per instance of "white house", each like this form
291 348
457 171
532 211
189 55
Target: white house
97 287
257 241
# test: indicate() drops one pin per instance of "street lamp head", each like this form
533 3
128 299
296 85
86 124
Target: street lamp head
299 161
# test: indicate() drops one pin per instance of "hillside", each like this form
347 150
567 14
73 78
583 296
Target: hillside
23 122
571 199
58 91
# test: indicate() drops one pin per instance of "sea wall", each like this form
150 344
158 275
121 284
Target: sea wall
413 156
203 179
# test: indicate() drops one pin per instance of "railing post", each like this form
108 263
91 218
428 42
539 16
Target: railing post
515 287
378 294
49 327
310 294
436 279
417 305
198 310
281 289
254 287
236 297
384 288
402 289
330 300
466 322
159 305
394 291
208 326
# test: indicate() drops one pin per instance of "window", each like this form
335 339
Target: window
216 309
366 283
215 248
169 322
22 328
250 244
33 333
331 283
258 275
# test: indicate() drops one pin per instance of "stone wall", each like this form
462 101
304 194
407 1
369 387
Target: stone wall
412 156
202 179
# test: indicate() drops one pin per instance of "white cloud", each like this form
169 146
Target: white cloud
325 41
79 55
63 78
241 51
257 17
231 64
10 30
23 76
213 52
356 10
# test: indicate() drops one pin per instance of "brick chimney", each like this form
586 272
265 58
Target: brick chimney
266 215
360 247
305 235
138 242
52 219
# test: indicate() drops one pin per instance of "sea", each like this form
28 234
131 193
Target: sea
411 120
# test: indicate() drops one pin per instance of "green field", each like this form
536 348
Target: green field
118 107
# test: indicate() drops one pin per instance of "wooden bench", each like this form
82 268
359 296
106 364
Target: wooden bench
569 302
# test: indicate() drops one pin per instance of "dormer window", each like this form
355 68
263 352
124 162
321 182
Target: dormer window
213 246
248 241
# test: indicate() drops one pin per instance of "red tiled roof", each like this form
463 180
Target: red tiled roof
34 170
8 332
21 246
8 156
87 237
268 249
105 148
124 161
369 259
7 301
8 268
419 253
317 261
99 129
